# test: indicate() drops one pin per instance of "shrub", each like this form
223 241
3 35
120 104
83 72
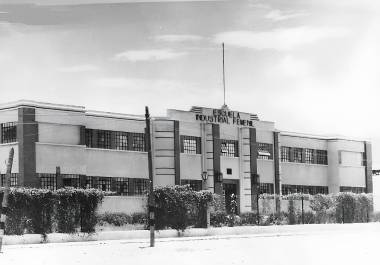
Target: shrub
291 212
323 206
139 218
274 219
218 218
175 206
249 218
116 219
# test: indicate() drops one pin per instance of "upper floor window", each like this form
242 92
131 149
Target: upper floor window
8 132
138 142
190 144
121 140
297 155
195 185
104 139
265 151
285 154
229 148
322 157
309 156
89 138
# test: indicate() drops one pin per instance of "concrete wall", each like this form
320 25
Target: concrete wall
191 166
303 142
113 124
265 168
60 116
230 162
304 174
10 115
123 204
59 133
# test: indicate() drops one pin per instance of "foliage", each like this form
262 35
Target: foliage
36 210
218 218
176 205
291 212
120 219
249 218
323 206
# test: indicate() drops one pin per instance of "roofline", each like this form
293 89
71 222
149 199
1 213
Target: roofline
38 104
321 137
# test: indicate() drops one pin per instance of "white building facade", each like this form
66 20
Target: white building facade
236 153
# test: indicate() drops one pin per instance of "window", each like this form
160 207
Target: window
122 186
191 144
89 183
104 139
266 188
140 186
195 185
89 138
364 162
8 132
121 140
352 189
309 156
14 180
312 190
297 155
138 142
322 157
71 180
229 148
229 171
265 151
48 181
104 184
285 154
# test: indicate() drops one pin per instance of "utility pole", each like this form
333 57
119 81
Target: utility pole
150 165
4 205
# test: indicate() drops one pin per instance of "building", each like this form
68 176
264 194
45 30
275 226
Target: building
234 152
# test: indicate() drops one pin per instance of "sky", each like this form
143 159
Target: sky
309 66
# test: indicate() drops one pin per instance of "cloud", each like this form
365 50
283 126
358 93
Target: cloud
79 68
278 15
178 38
148 55
80 2
278 39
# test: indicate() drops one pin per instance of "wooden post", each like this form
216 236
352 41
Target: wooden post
150 165
4 204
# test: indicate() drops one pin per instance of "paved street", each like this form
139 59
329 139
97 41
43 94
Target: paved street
353 246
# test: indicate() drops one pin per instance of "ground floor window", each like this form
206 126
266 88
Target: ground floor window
312 190
194 184
14 179
266 188
352 189
48 181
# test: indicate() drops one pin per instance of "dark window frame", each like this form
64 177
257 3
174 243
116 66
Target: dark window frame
8 132
230 149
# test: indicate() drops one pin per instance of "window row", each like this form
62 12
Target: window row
352 189
194 184
14 179
303 155
312 190
8 132
115 140
266 188
121 186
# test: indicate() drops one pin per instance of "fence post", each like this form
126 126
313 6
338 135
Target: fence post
302 212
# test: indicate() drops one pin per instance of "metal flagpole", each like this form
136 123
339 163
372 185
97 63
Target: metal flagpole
224 80
4 205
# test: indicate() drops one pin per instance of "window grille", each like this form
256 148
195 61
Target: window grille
190 144
322 157
104 184
312 190
309 156
8 132
195 185
138 142
89 138
104 139
266 188
48 181
352 189
229 148
265 151
121 140
71 180
285 154
297 155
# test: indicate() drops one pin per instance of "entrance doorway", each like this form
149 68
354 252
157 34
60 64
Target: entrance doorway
231 187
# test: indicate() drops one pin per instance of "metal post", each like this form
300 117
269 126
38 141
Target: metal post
4 204
150 165
302 213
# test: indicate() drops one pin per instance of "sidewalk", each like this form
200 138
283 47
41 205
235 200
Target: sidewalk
268 231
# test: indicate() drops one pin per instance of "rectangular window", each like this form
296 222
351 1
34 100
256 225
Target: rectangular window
89 183
14 180
104 139
140 186
297 155
122 186
121 140
138 142
71 180
89 138
266 188
104 184
322 157
285 154
8 132
265 151
309 156
191 144
312 190
352 189
229 148
195 185
48 181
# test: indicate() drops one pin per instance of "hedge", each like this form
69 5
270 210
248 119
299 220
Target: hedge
41 211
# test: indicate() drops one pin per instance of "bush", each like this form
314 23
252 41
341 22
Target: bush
291 213
249 218
176 205
218 218
323 206
116 219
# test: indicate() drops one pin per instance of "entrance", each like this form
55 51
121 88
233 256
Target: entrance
231 187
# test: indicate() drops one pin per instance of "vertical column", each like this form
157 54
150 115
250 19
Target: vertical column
177 152
82 140
253 166
245 173
276 160
27 136
368 167
218 181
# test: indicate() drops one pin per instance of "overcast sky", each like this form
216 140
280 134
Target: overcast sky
310 66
